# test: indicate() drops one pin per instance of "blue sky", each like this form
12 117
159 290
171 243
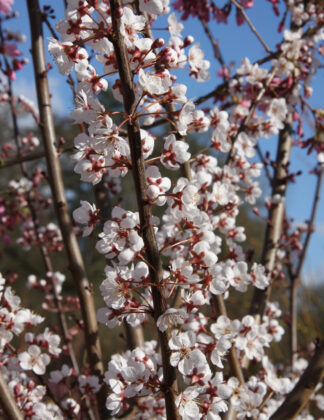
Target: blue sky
235 43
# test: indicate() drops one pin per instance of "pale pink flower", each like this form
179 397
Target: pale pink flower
199 67
33 359
170 318
87 215
89 384
187 407
174 152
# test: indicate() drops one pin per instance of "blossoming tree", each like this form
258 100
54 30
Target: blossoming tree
173 274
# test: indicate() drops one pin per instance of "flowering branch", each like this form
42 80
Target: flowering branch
138 171
304 389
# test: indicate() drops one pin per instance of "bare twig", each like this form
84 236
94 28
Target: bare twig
76 264
215 46
7 163
138 171
304 389
262 158
252 27
310 223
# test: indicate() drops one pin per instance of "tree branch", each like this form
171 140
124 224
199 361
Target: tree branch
44 253
252 27
295 275
214 45
6 163
304 389
275 217
7 401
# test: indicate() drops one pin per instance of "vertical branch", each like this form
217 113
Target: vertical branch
275 217
138 171
76 264
134 336
7 401
293 318
295 275
304 389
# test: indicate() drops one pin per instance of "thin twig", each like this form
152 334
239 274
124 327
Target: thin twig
7 163
252 27
295 275
215 46
262 158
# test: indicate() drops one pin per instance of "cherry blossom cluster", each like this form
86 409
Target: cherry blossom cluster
199 223
26 352
34 356
194 202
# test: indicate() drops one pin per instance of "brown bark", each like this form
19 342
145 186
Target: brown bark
304 389
295 275
7 401
275 217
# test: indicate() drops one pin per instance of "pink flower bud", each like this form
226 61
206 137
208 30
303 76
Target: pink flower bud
158 43
188 41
